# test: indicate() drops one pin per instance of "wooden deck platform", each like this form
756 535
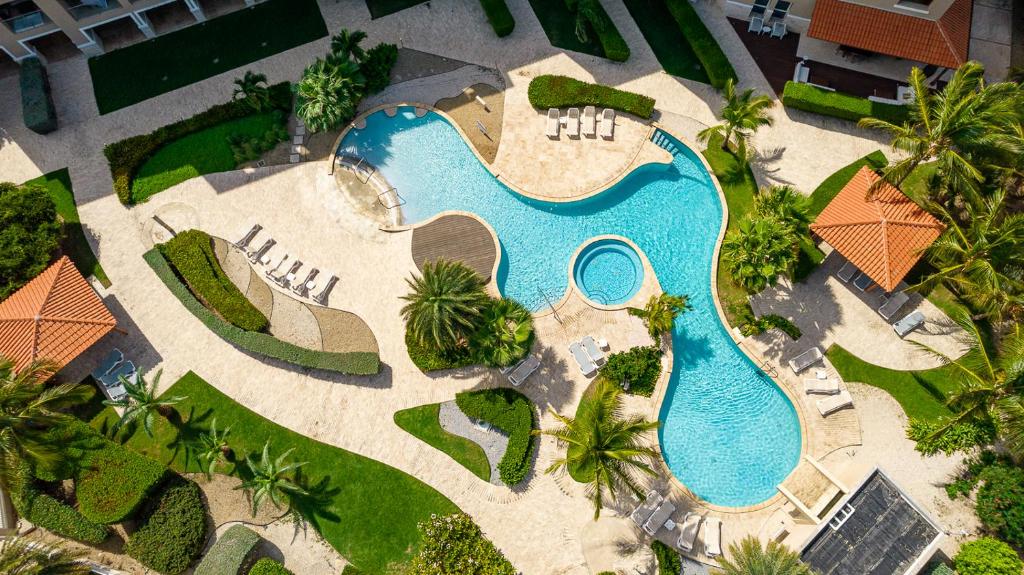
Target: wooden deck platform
455 238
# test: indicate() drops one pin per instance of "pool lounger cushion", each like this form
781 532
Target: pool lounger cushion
834 403
587 365
593 349
524 370
712 537
642 513
658 518
908 324
893 304
688 531
846 272
821 386
805 360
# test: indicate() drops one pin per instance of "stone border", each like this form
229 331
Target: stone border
650 285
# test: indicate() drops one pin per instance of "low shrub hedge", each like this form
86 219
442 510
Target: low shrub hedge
499 17
355 363
114 481
125 157
612 43
61 519
511 412
229 552
454 545
267 566
551 91
704 45
191 254
810 98
640 366
669 562
37 109
173 531
431 358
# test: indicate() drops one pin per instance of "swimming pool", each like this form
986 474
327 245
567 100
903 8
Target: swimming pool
608 271
728 432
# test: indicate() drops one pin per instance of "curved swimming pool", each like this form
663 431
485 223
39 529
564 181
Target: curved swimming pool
728 432
608 271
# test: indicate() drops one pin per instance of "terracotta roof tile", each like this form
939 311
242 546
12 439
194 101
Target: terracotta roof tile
884 235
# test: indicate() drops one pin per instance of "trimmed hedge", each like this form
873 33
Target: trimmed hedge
125 157
61 519
640 366
114 482
703 44
551 91
612 43
37 107
355 363
499 17
811 98
669 562
987 556
267 566
173 531
376 68
229 552
191 255
511 412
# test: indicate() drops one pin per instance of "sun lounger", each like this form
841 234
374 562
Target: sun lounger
712 537
553 123
846 272
510 367
644 511
780 11
248 237
125 369
863 281
572 123
821 386
587 365
893 304
272 271
688 531
113 359
759 8
805 360
779 30
755 25
322 296
658 518
589 121
302 288
524 370
908 324
284 280
257 256
834 403
593 349
778 533
607 123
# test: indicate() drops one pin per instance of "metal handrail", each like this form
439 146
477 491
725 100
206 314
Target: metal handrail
10 22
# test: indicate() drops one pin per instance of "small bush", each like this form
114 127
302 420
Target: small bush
229 552
669 562
377 66
612 43
173 531
61 519
430 358
114 481
191 255
454 545
560 91
511 412
751 325
29 234
987 556
250 148
37 107
839 105
640 366
499 17
962 437
703 44
1000 502
267 566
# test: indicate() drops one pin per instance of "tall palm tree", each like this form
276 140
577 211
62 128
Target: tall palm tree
445 304
328 93
346 44
603 448
759 251
660 312
141 403
506 328
272 480
750 558
21 556
742 114
213 448
252 88
28 409
784 203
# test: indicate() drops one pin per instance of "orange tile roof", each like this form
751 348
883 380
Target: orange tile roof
882 235
942 42
56 316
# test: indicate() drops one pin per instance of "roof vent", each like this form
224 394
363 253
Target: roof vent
841 516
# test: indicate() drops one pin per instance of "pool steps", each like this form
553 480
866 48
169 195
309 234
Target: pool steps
664 142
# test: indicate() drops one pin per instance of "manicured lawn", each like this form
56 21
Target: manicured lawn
380 8
203 152
665 39
422 423
365 509
828 189
130 75
559 25
75 244
922 394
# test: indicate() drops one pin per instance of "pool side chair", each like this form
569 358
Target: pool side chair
510 367
322 296
643 512
657 519
553 123
712 537
756 25
284 280
821 386
593 349
301 289
607 128
863 281
257 255
893 304
779 30
846 272
780 11
833 404
908 324
758 9
271 272
243 243
589 128
586 365
113 359
778 533
524 371
112 379
688 531
572 123
805 360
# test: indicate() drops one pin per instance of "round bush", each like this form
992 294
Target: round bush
267 566
174 530
987 556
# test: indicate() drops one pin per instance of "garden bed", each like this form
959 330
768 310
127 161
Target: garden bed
666 39
423 423
512 413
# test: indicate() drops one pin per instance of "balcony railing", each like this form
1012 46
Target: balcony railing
84 10
26 21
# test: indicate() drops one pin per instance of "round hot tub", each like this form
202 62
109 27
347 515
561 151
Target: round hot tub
608 271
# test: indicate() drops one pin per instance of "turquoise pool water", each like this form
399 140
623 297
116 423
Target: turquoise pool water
728 433
608 271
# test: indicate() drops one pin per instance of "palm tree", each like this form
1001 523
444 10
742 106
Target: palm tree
21 556
213 448
271 480
604 449
141 403
742 115
784 203
445 304
661 311
28 409
328 93
759 251
346 44
750 558
506 328
252 88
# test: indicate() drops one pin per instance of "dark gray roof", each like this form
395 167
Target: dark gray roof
884 535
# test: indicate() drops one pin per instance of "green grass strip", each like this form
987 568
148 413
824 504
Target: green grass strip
666 39
141 71
423 423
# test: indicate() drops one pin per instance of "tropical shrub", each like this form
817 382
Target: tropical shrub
964 436
499 17
328 93
511 412
267 566
57 517
377 66
759 251
444 304
29 234
612 43
752 325
37 107
431 358
227 555
987 556
638 368
703 44
1000 502
505 333
172 531
839 105
550 91
249 148
669 562
113 482
454 545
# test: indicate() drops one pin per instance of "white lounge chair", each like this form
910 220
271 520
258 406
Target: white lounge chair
659 517
510 367
572 123
908 324
553 123
607 123
755 25
589 121
593 349
835 403
525 370
688 531
779 30
821 386
778 533
805 360
587 365
712 537
863 281
846 272
643 512
893 304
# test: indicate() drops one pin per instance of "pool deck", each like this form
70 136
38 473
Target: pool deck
456 237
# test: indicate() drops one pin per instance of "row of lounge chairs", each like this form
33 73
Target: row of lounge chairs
891 303
588 355
575 125
285 276
112 372
656 511
519 372
838 399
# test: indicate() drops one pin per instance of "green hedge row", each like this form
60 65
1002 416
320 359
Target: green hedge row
267 566
704 45
125 157
191 255
839 105
50 514
172 532
355 363
114 482
499 17
37 108
612 43
229 552
550 91
511 412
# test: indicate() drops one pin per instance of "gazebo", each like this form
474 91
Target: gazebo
883 233
56 317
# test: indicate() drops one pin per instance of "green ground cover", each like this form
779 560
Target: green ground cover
379 8
422 422
828 189
75 245
666 39
559 23
130 75
365 509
